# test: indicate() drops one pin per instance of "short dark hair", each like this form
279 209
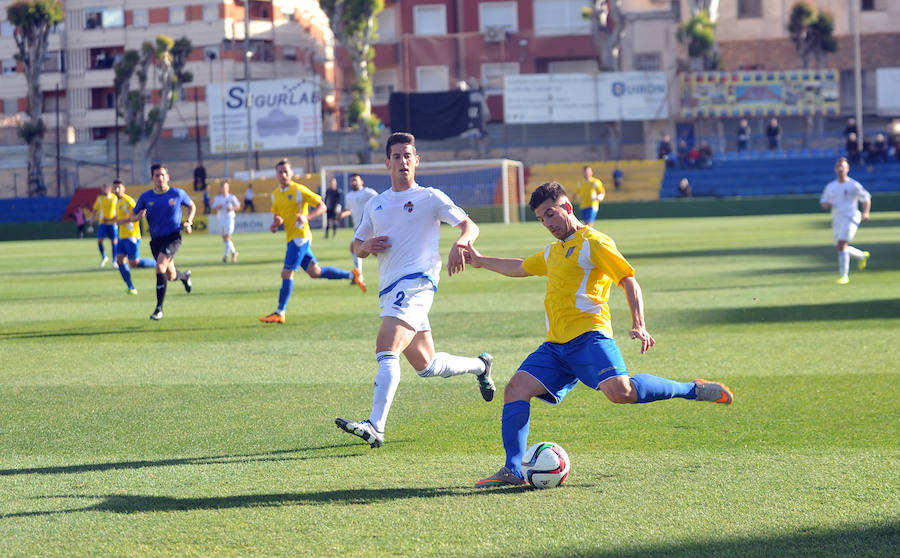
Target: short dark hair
401 138
546 191
155 166
117 181
355 174
284 161
841 160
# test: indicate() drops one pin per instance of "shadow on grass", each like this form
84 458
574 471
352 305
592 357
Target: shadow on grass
119 330
135 503
278 455
857 541
838 311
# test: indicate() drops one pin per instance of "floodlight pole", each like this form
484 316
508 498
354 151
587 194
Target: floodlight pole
247 56
857 73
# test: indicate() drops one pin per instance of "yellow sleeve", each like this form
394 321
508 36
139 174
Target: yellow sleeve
600 188
308 196
96 207
607 258
536 264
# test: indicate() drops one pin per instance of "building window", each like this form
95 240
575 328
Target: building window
54 103
179 132
749 9
9 66
430 19
289 53
96 18
55 61
176 14
387 24
498 14
561 17
492 76
648 62
260 10
10 106
432 78
263 51
573 67
384 82
210 12
140 18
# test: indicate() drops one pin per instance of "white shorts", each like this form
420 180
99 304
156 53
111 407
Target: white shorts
226 223
410 301
844 228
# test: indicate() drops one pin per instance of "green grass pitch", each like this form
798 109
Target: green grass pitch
211 434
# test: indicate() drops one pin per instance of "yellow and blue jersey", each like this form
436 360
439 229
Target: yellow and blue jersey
580 272
124 209
589 192
289 203
106 207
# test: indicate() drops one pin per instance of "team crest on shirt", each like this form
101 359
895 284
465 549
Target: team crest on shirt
569 251
172 202
290 196
408 207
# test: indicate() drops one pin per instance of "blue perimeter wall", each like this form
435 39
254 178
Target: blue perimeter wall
32 210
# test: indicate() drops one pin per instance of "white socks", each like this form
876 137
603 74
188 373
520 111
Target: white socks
843 264
229 247
446 366
855 253
386 381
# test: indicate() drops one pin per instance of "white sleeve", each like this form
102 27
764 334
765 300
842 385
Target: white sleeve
864 194
365 230
826 195
446 210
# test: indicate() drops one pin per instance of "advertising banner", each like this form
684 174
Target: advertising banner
284 114
603 97
760 93
888 86
243 223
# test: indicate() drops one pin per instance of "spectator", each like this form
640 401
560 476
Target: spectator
78 215
704 161
773 132
851 127
618 177
879 150
743 135
852 148
199 178
693 157
205 201
684 188
248 200
664 149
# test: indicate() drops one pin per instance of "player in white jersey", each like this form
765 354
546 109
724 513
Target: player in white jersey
356 200
225 204
401 226
843 197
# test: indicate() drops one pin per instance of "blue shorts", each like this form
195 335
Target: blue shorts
590 358
110 231
298 256
130 247
588 214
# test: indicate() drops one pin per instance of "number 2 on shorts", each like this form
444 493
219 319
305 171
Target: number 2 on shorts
399 301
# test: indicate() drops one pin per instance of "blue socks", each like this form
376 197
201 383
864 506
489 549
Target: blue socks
146 262
329 272
125 272
514 425
287 287
653 388
102 249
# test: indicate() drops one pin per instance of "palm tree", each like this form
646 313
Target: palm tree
33 20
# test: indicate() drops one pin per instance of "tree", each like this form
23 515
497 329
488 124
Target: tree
143 120
812 34
699 35
607 28
354 27
33 20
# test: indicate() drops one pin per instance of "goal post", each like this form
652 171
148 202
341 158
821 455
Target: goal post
488 189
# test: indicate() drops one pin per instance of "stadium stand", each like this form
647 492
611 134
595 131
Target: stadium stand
760 174
641 183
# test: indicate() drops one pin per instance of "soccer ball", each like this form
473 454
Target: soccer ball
545 465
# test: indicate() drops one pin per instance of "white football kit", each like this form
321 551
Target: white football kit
225 214
844 198
356 202
410 269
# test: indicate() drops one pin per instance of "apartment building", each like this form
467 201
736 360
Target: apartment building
287 38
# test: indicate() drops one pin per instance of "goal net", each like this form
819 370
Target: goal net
489 190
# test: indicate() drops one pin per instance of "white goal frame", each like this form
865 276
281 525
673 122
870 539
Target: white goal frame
505 164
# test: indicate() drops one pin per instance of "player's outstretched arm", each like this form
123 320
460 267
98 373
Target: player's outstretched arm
511 267
456 259
374 245
277 221
866 208
636 304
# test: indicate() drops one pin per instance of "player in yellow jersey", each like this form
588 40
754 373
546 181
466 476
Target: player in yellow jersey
591 192
129 246
104 212
581 268
291 204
